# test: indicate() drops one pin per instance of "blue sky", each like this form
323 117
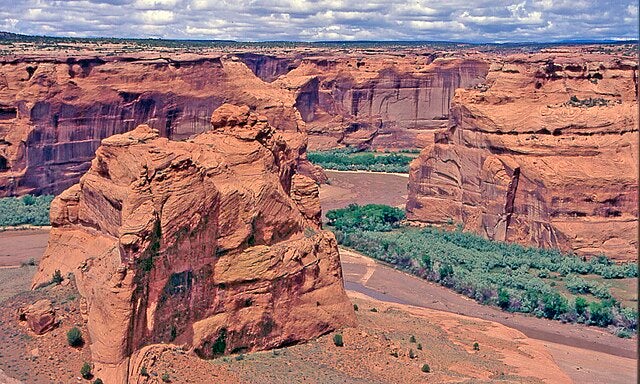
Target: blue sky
300 20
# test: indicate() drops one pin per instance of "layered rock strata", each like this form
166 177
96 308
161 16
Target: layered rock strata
212 243
544 153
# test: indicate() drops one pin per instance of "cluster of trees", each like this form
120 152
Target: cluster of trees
511 276
28 209
372 217
350 160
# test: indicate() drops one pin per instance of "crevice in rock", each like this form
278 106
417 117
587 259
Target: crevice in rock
509 206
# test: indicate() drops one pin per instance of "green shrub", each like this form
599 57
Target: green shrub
373 310
349 159
355 307
98 381
74 337
476 346
425 368
412 355
31 210
143 371
580 305
85 371
220 345
57 277
419 347
503 298
371 217
337 340
166 378
412 339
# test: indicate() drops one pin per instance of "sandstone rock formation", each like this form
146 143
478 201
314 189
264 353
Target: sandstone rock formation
212 243
384 101
55 110
40 316
544 153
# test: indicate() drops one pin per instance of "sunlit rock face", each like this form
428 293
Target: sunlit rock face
213 243
522 161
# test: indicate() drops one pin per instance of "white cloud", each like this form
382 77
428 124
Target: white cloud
477 21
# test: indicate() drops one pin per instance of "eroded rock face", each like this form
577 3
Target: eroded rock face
213 243
390 102
523 162
55 110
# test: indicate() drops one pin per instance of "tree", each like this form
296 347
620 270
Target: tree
74 337
85 371
337 340
503 298
425 368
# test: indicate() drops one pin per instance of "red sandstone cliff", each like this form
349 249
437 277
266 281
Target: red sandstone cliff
213 243
523 162
54 111
385 101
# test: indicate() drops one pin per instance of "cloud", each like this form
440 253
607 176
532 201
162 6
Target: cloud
257 20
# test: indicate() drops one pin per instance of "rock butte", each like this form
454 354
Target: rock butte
519 162
213 243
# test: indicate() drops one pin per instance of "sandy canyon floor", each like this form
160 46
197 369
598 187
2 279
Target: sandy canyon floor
513 347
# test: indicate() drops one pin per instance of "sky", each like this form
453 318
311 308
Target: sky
301 20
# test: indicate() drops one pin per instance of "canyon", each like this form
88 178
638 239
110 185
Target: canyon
519 143
212 243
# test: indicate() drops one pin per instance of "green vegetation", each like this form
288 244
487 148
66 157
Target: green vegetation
425 368
166 378
74 337
419 347
476 346
355 307
543 282
143 371
412 355
98 381
28 209
349 159
220 345
337 340
590 102
372 217
412 339
85 371
56 278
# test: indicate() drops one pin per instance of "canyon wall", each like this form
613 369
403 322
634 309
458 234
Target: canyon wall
544 153
54 111
385 101
212 243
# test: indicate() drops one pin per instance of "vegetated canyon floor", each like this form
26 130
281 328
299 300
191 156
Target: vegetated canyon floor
513 347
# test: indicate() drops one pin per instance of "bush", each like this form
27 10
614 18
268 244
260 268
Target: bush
503 298
419 347
580 305
31 210
143 371
85 371
166 378
412 339
371 217
57 277
337 340
98 381
74 337
349 159
425 368
355 307
412 355
476 346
